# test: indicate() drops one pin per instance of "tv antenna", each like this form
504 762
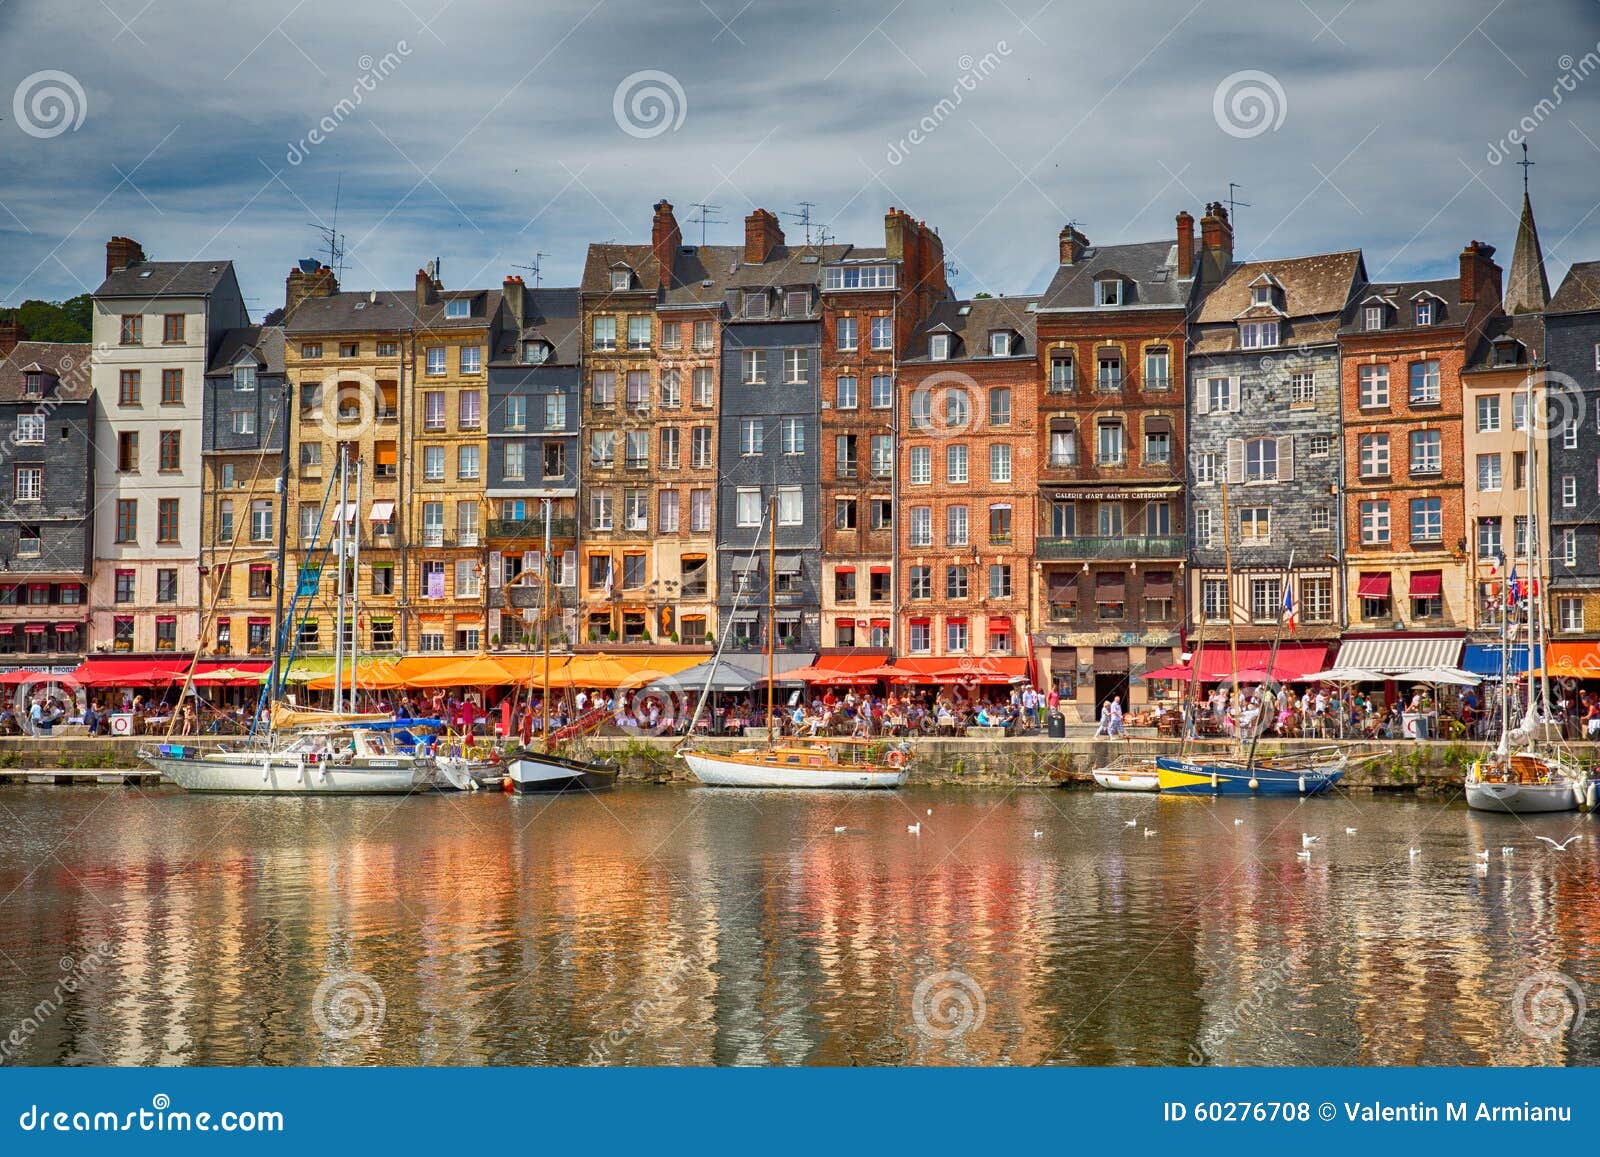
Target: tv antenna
1233 201
804 217
704 216
533 268
331 235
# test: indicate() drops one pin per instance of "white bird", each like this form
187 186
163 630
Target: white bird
1506 851
1306 841
1148 832
930 811
1415 852
838 829
1238 823
1561 847
915 829
1349 831
1484 855
1304 855
1130 823
1037 833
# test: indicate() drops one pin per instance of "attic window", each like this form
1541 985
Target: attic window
939 346
1424 312
621 279
244 378
755 304
535 353
1505 352
1262 294
1256 335
33 384
1108 291
1372 317
458 307
796 303
1000 343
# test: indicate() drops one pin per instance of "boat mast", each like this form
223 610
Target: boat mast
338 614
1272 662
1227 567
355 584
1536 576
772 604
544 693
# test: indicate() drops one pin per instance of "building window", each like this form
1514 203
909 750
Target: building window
1375 522
1569 546
955 465
1214 600
882 333
921 466
1489 414
1424 312
1108 291
1372 317
1063 444
636 449
29 483
844 514
1569 611
1202 528
882 391
1427 520
128 388
1063 519
882 460
939 347
1261 460
1255 335
1158 368
752 437
921 526
1061 375
1000 524
1255 525
1569 490
1374 387
955 526
1220 396
955 582
1108 375
1266 600
171 387
601 510
1302 390
1424 377
1205 468
636 509
639 331
1489 474
1488 538
1109 444
1321 444
1000 462
603 333
1374 450
796 303
1000 344
30 429
747 506
794 367
1426 450
1000 407
754 367
845 337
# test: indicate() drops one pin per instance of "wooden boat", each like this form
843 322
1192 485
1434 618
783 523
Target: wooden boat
356 760
526 770
820 762
1295 776
1527 783
1128 773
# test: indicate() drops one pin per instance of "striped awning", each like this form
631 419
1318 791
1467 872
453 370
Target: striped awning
1396 653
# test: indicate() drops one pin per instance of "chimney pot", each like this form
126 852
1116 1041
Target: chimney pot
1185 244
122 253
1073 243
11 332
762 234
665 240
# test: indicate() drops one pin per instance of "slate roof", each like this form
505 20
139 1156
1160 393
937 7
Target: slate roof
972 328
388 311
265 340
1448 307
1528 328
1150 266
1580 289
692 267
62 360
553 315
166 279
788 265
1316 290
485 303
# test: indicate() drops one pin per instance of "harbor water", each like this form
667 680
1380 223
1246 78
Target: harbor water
678 925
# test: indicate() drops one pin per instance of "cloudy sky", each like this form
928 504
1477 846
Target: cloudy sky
486 132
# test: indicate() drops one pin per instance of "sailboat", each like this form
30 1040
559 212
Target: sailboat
313 752
792 762
1526 772
527 769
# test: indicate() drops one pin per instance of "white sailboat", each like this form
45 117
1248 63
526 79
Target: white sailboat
1527 772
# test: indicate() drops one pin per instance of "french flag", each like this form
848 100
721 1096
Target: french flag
1288 609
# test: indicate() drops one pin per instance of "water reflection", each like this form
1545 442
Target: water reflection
687 926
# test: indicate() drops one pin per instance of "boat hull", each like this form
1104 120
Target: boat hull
1522 798
276 775
717 771
1127 779
1180 777
528 772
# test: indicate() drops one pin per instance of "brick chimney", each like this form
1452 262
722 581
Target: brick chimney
1480 276
427 290
1073 243
512 292
762 235
11 333
1216 243
918 249
1185 245
299 285
665 238
122 253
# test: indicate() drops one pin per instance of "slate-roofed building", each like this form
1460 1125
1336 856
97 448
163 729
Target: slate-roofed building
533 463
46 544
244 444
968 491
1109 600
1263 421
1571 324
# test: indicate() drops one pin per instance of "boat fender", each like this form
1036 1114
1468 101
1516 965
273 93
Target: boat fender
507 786
1302 785
1214 783
1254 783
1590 801
896 758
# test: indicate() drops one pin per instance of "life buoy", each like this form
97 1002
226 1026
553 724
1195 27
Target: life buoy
896 758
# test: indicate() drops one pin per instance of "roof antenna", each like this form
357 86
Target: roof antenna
705 218
1526 165
1234 201
804 217
534 268
332 236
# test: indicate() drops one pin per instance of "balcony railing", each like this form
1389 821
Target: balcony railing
1089 547
532 528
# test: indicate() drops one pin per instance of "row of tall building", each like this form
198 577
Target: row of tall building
1045 484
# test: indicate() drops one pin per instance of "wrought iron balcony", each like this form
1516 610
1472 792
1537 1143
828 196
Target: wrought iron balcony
532 528
1090 547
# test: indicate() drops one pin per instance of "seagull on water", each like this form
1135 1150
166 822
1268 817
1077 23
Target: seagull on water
1037 833
1148 832
915 829
1484 855
1238 823
838 829
1507 850
1306 840
1415 852
1349 831
1561 847
1130 823
1304 856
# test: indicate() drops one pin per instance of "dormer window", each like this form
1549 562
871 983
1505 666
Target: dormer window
939 347
33 384
1505 352
1108 291
458 307
755 304
1257 335
1000 344
796 303
244 378
535 353
1424 312
621 280
1372 317
1261 295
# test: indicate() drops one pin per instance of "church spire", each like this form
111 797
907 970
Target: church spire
1527 287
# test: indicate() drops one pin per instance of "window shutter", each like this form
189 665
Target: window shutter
1235 460
496 570
530 560
1286 458
494 622
537 564
1235 390
1202 403
569 568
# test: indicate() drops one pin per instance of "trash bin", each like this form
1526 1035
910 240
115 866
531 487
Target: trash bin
1415 726
1058 725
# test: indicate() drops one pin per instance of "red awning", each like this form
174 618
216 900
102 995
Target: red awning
837 667
1373 586
107 672
881 570
1216 663
1427 584
844 568
992 669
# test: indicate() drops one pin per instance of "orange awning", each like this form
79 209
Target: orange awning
612 671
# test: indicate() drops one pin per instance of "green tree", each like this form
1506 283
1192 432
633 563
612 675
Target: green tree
65 321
